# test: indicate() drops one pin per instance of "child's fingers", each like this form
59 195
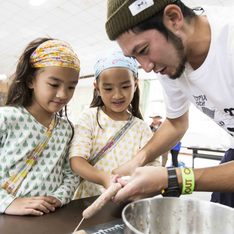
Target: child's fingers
123 180
37 206
51 200
114 178
55 202
42 204
46 207
32 212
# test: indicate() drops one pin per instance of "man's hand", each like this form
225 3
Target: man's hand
145 182
33 206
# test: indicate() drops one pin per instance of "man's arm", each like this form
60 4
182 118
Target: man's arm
215 179
150 181
169 133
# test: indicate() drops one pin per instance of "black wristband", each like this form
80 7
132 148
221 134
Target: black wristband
173 189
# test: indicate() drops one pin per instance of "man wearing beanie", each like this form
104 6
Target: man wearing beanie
192 52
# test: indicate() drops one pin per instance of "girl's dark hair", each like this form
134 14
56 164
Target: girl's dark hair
156 21
133 108
19 94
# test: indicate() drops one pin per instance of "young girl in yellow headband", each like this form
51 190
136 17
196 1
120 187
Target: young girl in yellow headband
35 132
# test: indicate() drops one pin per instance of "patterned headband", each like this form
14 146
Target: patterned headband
115 59
55 53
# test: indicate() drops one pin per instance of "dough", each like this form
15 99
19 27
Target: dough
80 232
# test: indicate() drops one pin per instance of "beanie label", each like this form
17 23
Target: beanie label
139 6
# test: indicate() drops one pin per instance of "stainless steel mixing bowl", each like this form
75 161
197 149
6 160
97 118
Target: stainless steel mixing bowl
177 216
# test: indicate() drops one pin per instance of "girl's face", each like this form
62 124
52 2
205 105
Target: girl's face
53 88
116 86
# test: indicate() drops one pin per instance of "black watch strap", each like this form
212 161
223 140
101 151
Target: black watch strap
173 189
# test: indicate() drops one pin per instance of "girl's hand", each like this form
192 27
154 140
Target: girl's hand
108 180
33 206
57 203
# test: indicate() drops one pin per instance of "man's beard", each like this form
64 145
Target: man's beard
179 69
179 47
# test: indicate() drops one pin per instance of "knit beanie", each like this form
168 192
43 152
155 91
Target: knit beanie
123 15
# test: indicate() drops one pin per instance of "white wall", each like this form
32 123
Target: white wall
81 98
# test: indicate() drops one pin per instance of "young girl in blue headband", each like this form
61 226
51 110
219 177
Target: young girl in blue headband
112 131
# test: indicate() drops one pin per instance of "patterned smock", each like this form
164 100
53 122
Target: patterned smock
90 138
20 132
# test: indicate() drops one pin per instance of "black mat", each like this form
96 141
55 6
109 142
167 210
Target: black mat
113 227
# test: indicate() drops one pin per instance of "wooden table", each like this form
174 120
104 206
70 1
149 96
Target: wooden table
207 153
62 221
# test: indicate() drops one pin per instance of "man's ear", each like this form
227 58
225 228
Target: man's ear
173 18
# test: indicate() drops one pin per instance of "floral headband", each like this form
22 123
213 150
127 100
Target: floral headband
55 53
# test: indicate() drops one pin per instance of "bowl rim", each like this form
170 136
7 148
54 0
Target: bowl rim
186 200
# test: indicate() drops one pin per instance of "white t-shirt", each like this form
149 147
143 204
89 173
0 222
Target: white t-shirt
210 87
